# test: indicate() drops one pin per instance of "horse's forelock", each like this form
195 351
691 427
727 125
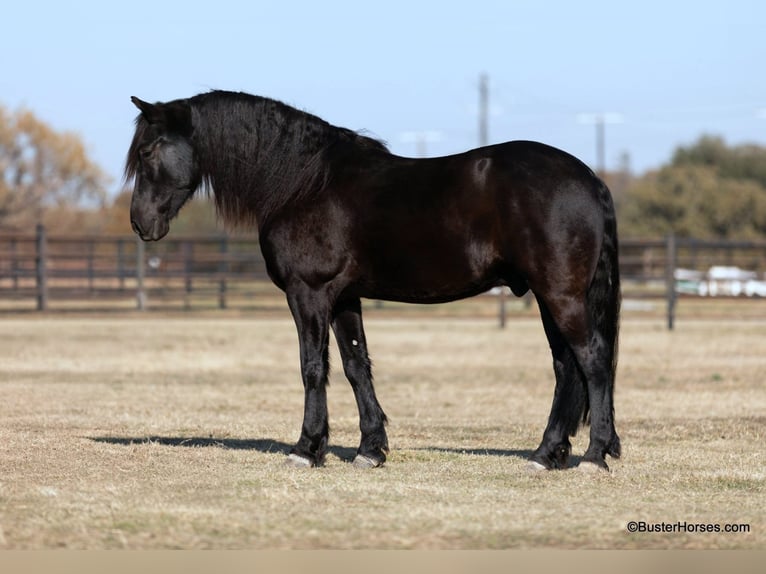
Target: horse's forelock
131 161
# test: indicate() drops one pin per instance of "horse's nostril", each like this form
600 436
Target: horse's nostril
136 227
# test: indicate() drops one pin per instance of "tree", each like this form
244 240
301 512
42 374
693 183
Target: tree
707 191
42 170
739 162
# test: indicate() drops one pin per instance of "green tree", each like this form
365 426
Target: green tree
708 190
739 162
42 170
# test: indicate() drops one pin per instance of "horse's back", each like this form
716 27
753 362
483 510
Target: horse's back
449 227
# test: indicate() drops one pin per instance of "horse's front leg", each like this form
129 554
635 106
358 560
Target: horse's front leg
311 312
349 332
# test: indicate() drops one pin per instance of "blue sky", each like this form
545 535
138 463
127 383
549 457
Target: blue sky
673 70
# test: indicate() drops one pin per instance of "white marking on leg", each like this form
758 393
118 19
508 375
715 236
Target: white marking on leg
534 467
362 461
298 461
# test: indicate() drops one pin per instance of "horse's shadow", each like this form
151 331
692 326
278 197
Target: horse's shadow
267 445
524 454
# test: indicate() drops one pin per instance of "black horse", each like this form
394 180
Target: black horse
340 218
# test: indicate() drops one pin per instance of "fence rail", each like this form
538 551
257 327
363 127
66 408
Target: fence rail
67 268
225 271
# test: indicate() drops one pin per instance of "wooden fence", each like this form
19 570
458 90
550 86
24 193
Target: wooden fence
649 268
226 272
106 270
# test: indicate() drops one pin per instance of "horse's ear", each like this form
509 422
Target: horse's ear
151 112
175 115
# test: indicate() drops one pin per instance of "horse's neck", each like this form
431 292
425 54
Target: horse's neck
255 166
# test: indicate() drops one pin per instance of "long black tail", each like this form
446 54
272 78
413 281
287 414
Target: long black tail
604 296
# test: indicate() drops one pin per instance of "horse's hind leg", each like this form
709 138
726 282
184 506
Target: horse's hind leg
349 332
594 358
593 354
570 400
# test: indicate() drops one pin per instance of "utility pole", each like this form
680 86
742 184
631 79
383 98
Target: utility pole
484 141
600 146
421 139
600 120
483 110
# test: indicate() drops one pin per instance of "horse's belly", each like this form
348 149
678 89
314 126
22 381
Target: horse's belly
425 276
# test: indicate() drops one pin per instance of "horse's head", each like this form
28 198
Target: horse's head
164 164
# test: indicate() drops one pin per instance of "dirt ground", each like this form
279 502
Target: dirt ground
158 432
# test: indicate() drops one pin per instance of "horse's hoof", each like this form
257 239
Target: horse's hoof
533 467
297 461
362 461
591 467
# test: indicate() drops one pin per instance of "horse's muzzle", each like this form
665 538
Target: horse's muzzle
156 231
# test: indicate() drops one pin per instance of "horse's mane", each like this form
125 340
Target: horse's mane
131 161
258 155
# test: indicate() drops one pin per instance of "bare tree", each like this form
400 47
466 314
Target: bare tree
41 169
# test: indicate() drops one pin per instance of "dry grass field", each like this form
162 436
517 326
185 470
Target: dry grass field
156 432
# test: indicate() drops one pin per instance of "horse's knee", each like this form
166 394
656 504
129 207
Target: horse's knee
357 370
314 373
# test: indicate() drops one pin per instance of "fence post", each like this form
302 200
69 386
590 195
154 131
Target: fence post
140 269
41 264
671 257
187 249
121 263
223 268
15 263
501 314
91 264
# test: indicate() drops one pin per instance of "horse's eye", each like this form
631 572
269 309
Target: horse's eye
146 152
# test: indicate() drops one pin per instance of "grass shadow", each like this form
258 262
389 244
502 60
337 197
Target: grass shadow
265 445
479 451
524 454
